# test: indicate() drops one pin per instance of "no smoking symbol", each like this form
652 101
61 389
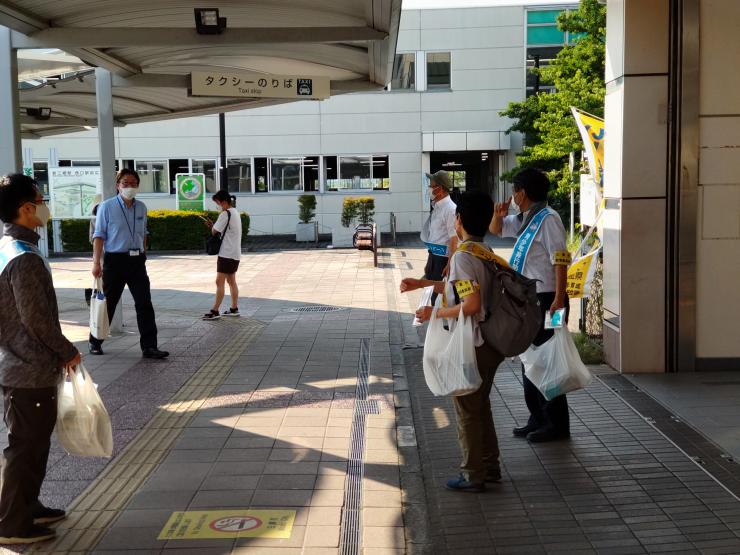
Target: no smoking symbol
235 524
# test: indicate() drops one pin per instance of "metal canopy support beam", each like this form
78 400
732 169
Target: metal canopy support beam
106 139
10 131
117 37
107 142
65 122
98 58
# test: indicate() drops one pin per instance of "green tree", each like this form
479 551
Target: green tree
545 119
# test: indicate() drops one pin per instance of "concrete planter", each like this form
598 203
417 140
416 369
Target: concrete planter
307 233
341 237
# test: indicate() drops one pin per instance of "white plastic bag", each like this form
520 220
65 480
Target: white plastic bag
99 324
83 425
555 367
450 367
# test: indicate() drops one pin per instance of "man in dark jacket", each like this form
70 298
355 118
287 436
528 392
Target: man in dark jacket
33 356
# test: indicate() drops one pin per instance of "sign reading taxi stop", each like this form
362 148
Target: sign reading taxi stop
259 85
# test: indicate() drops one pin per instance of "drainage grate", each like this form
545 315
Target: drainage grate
317 308
351 521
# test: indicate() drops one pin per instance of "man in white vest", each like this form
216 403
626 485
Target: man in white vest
540 253
438 231
33 357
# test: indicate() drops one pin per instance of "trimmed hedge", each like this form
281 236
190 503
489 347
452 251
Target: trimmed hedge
169 230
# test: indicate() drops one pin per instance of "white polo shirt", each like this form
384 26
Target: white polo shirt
440 226
541 257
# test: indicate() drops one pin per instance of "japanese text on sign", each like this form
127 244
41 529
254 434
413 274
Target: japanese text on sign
258 85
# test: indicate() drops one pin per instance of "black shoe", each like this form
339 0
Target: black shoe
95 349
34 535
46 515
493 476
523 431
546 434
153 352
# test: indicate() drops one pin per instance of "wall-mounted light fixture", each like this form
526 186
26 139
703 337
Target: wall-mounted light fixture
208 22
39 113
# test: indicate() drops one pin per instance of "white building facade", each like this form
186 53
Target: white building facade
456 70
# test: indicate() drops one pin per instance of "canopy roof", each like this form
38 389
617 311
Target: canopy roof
152 47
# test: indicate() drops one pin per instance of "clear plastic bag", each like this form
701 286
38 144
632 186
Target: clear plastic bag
83 425
450 367
555 367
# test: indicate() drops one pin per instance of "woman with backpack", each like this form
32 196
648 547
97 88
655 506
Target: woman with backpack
540 253
228 226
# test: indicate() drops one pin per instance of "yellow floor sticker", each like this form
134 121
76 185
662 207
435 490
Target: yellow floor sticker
234 523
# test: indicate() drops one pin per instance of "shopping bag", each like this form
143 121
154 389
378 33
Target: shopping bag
555 367
83 425
99 324
450 367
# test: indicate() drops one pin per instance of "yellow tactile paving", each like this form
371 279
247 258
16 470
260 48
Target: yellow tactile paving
98 506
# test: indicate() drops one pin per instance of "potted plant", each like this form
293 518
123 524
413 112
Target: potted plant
307 230
360 209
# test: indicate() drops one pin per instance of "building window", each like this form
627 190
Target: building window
208 168
177 165
438 71
153 176
239 172
310 169
285 174
404 72
544 41
41 175
260 175
357 173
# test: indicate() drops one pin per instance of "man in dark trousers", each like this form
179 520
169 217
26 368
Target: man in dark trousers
540 253
438 231
120 230
33 357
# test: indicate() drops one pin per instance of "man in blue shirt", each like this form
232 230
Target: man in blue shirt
120 230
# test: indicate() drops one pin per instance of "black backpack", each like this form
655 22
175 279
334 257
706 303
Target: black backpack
514 314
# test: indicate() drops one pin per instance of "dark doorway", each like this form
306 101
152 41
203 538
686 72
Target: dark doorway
472 170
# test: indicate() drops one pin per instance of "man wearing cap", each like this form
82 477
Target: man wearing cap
438 231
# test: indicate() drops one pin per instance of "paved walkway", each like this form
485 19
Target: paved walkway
324 418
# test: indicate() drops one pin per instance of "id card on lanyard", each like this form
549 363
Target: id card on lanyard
132 230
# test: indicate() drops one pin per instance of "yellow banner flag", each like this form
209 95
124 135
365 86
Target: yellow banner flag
581 274
592 133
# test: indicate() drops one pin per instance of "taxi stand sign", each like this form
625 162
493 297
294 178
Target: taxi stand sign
258 85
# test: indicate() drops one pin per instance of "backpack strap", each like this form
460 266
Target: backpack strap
481 253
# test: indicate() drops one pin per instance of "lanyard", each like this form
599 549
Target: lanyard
131 231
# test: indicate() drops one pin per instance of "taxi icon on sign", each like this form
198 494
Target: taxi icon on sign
305 87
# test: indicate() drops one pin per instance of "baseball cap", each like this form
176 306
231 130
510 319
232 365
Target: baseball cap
441 178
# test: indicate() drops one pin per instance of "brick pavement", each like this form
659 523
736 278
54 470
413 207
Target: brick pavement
277 423
618 486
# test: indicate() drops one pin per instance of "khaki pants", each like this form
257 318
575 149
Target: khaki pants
475 430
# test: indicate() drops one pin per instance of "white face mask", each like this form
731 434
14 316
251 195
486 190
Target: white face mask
43 214
129 193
